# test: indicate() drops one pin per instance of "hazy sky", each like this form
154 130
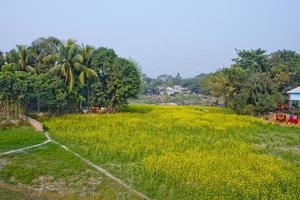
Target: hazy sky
163 36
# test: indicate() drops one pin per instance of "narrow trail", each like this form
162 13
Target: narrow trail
97 167
25 148
105 172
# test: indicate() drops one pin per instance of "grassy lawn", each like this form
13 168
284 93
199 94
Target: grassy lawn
49 172
188 152
14 138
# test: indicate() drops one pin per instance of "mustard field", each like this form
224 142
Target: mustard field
188 152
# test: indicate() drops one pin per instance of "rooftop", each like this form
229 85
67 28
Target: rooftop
294 91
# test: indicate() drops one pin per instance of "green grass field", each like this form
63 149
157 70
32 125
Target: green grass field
49 172
182 152
14 138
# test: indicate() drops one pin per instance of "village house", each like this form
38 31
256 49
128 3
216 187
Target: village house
294 97
171 91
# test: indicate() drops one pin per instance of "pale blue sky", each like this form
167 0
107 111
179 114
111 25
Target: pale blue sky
163 36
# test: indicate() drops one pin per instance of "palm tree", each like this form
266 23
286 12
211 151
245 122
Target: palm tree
85 71
19 60
71 64
87 53
25 54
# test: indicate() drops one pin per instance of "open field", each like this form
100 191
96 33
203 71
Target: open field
186 152
49 172
14 138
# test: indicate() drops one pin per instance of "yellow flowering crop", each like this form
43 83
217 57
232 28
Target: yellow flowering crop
183 152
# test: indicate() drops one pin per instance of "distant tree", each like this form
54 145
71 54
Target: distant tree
48 92
20 60
146 84
45 50
119 79
285 68
101 62
2 60
254 60
52 75
11 57
45 46
195 84
13 92
177 80
254 84
70 65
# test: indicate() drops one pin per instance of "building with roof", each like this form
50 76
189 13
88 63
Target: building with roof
294 96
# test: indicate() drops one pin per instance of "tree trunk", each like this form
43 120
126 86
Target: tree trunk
7 109
88 99
38 105
112 105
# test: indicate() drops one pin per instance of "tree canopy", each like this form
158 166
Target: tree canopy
256 82
62 76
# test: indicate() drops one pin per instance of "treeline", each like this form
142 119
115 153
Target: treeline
256 82
150 86
66 76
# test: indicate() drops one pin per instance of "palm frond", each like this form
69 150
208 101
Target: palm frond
81 79
51 58
90 73
63 70
78 66
78 58
29 68
55 69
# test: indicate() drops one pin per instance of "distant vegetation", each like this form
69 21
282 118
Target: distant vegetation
256 82
150 86
56 76
51 75
185 99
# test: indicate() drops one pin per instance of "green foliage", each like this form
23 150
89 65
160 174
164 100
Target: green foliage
186 99
150 86
54 75
20 60
13 90
47 91
118 79
256 82
45 51
21 90
2 59
14 138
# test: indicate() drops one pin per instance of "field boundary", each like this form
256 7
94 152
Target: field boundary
25 148
103 171
39 127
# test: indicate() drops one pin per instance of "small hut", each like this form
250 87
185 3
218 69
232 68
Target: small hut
294 97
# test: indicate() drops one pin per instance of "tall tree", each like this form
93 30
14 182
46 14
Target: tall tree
119 79
45 50
2 60
20 60
71 65
251 85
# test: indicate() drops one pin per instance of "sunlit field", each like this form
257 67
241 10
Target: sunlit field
182 152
